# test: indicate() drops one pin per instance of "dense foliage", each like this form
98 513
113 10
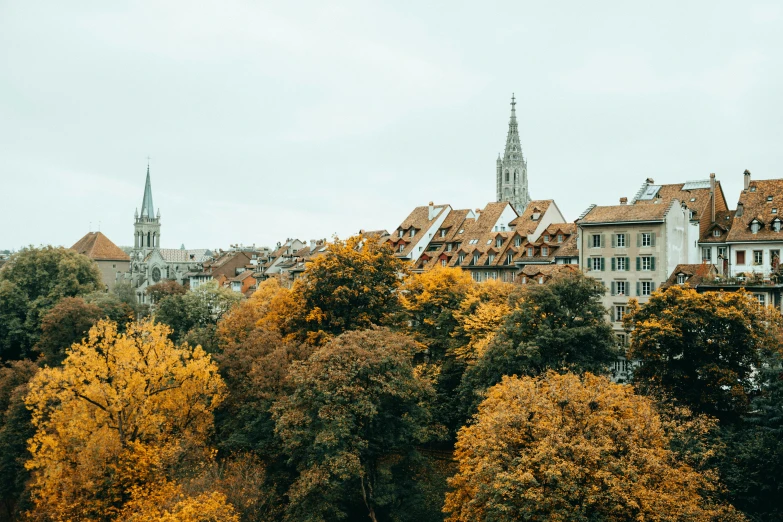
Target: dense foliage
340 396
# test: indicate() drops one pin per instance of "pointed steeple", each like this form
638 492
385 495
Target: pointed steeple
511 171
147 209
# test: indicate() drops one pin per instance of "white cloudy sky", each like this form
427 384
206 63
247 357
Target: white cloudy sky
267 120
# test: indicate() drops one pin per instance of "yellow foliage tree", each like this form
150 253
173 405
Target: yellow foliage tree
267 308
166 502
570 448
479 316
124 410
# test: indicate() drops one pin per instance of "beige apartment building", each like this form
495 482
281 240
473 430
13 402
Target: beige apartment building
632 249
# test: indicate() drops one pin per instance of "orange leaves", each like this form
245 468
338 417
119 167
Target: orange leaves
561 447
118 413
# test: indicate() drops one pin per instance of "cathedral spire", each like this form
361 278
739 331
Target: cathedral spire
511 171
146 204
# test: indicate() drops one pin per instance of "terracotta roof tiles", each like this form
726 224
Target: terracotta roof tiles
97 246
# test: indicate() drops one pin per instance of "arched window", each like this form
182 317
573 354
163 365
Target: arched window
516 174
149 236
506 176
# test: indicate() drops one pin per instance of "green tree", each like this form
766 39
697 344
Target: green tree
193 316
15 430
703 349
164 289
31 282
558 326
351 424
352 286
571 448
66 323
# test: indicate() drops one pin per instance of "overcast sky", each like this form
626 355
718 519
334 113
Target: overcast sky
268 120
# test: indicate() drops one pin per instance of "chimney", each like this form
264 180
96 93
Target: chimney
740 208
313 244
650 181
431 213
747 179
712 197
623 201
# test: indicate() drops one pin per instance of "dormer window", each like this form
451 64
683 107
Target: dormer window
413 232
560 238
402 247
680 279
490 259
769 198
774 210
401 233
544 251
716 232
776 225
461 258
755 226
530 251
517 241
535 216
546 238
753 189
499 242
509 258
475 258
442 232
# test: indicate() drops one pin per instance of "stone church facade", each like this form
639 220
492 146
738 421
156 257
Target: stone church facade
511 168
149 263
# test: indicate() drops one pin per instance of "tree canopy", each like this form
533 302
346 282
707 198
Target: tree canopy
703 349
571 448
31 282
119 415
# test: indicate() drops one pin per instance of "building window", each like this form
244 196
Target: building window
540 280
706 254
619 312
619 240
758 257
544 251
769 198
401 233
721 252
716 232
595 241
560 238
740 257
646 288
517 241
546 238
442 232
621 264
499 242
402 247
413 232
490 259
509 258
443 262
622 339
774 210
448 247
621 287
597 263
680 279
776 225
461 258
529 251
761 298
754 227
646 239
475 258
647 263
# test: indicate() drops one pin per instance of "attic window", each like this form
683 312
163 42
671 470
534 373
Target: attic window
473 241
489 241
536 215
680 279
774 210
560 238
716 232
769 198
544 251
755 226
776 225
413 232
401 233
546 238
693 199
753 189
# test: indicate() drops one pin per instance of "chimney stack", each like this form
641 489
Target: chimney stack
747 179
623 201
431 213
650 181
712 197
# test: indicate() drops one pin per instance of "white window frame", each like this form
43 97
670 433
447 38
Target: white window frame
619 240
646 263
646 239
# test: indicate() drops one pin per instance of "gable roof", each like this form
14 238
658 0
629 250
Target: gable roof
99 247
695 274
626 213
525 222
753 204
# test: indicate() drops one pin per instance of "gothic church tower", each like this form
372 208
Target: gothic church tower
512 168
146 225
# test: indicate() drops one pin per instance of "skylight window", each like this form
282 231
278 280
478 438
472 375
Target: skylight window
769 198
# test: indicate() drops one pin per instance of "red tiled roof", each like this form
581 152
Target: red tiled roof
99 247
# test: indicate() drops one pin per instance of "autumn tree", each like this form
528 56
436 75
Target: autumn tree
559 326
267 308
66 323
353 285
163 289
565 447
122 416
31 282
15 430
350 426
429 301
479 316
702 349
